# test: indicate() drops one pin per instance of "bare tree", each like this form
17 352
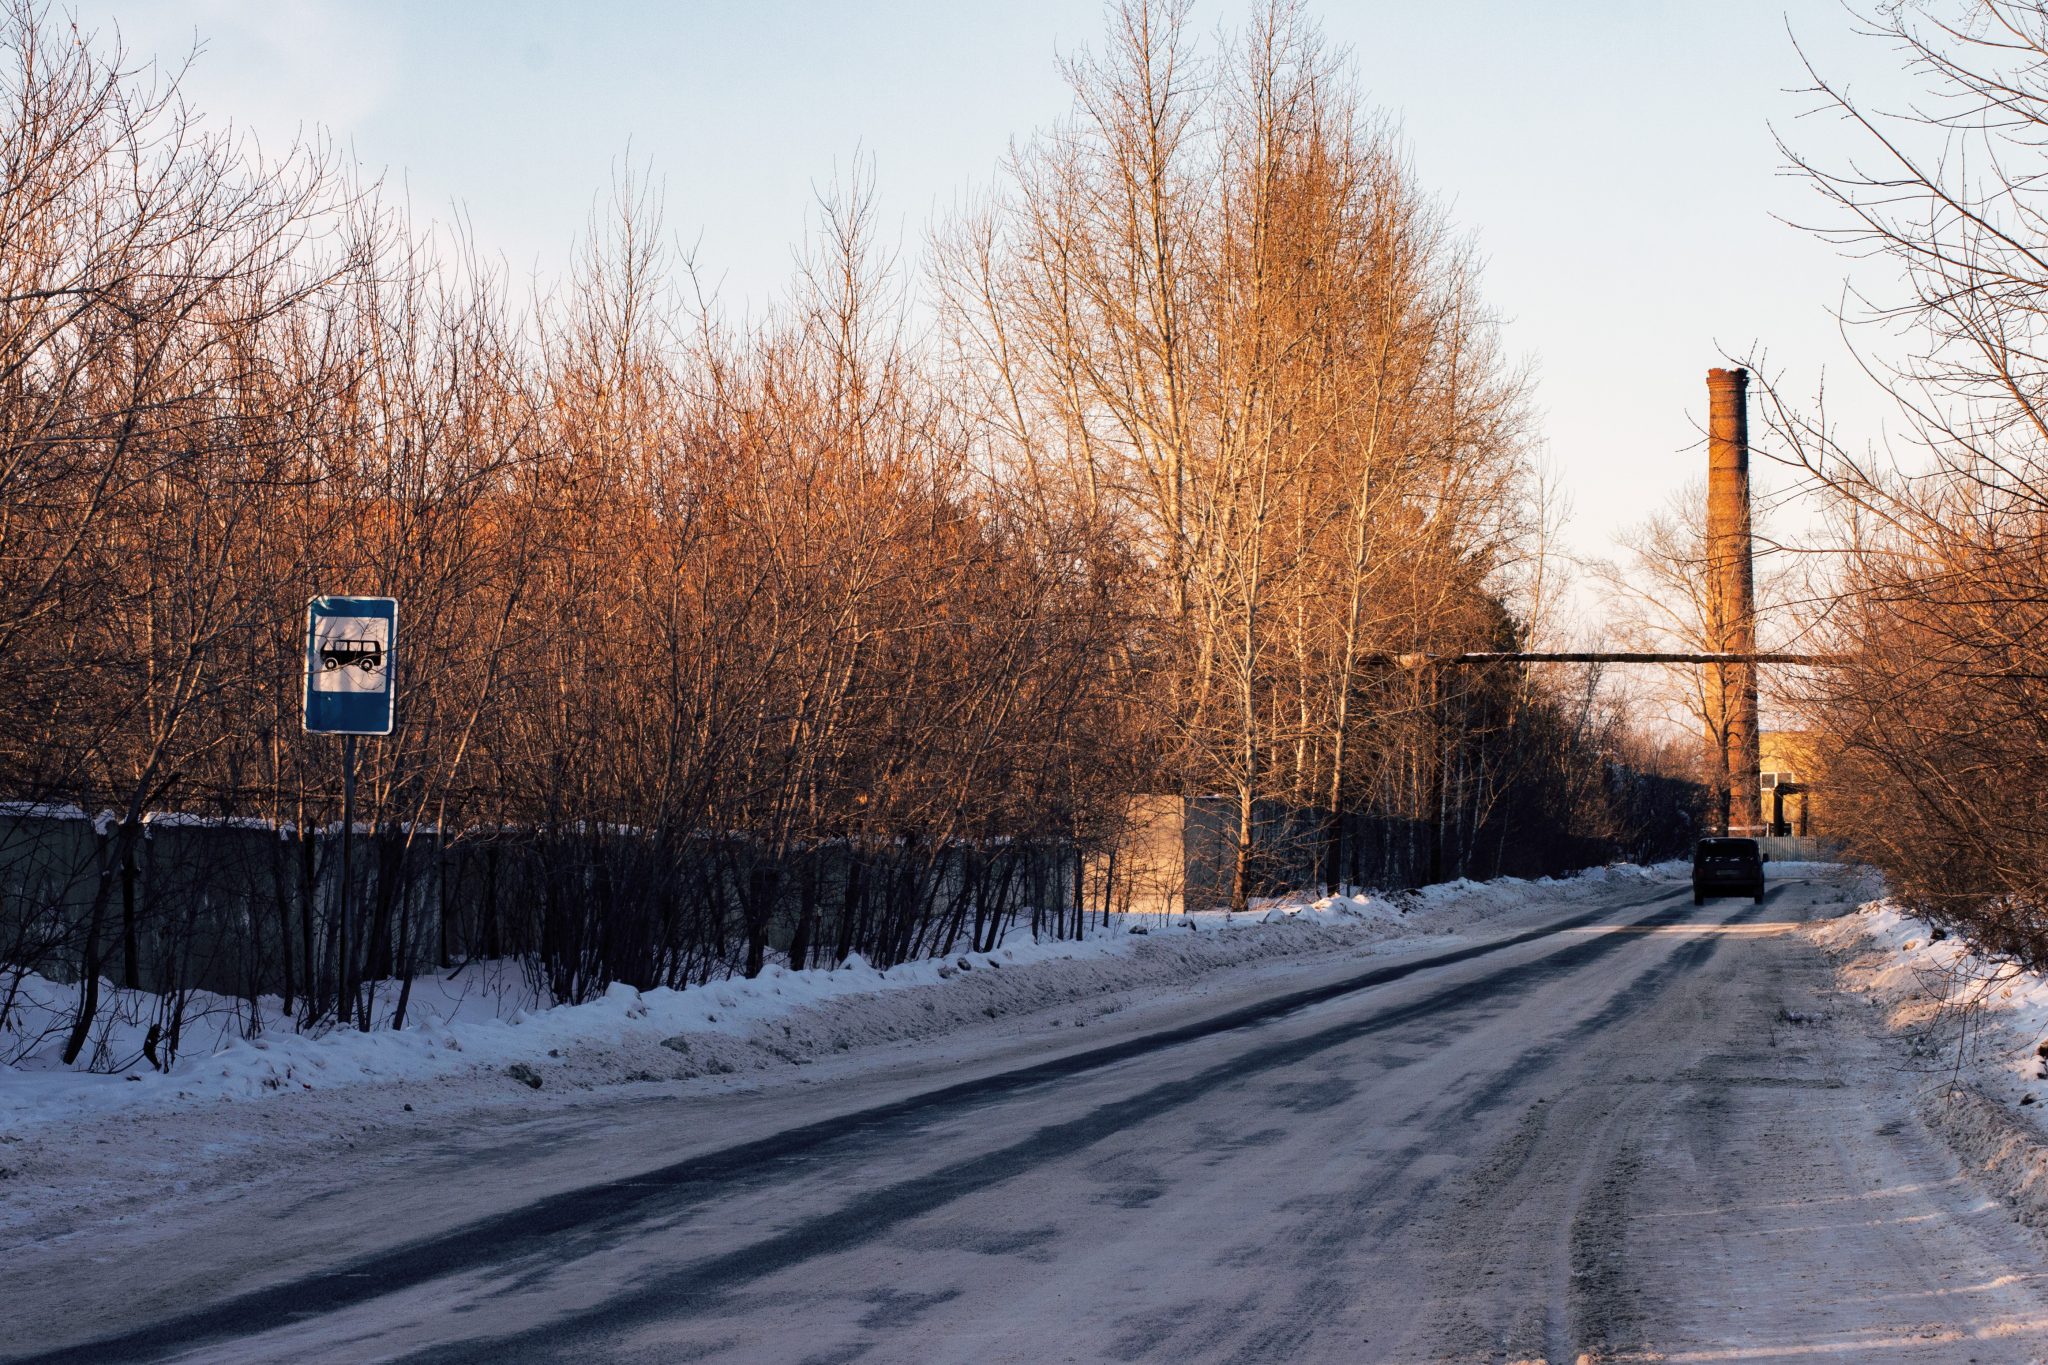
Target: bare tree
1932 721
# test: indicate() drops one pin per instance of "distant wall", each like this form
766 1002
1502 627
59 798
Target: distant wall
1173 854
1794 850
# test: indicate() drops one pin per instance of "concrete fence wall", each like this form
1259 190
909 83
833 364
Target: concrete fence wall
243 907
1174 854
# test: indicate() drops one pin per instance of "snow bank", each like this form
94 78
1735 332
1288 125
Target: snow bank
1982 1025
1921 975
2001 1148
486 1017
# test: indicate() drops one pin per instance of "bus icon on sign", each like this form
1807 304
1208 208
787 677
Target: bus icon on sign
351 665
367 655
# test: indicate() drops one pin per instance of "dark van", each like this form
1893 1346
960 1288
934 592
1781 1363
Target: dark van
1727 867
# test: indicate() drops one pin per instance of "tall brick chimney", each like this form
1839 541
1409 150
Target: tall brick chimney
1731 597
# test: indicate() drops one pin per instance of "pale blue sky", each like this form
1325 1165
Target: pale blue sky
1612 156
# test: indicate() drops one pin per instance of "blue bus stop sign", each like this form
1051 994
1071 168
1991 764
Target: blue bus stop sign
351 665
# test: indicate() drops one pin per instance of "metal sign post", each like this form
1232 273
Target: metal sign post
351 689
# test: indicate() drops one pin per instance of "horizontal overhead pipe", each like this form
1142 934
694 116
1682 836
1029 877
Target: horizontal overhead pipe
1612 657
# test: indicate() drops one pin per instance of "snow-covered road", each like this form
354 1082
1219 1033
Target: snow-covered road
1631 1129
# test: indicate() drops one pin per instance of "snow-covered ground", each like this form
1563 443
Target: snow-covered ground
1607 1126
1967 1015
1977 1032
99 1156
470 1026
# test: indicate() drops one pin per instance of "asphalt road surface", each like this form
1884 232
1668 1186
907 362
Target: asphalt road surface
1635 1131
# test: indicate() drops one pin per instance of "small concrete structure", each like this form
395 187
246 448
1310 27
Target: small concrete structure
1145 869
1790 770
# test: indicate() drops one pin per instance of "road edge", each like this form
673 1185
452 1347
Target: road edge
1997 1147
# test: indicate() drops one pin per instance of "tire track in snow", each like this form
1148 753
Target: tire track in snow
554 1230
1523 1222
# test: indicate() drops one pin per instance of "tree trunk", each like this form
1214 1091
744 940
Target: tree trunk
131 970
89 953
806 914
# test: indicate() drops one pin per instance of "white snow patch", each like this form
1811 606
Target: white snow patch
1922 976
472 1023
1979 1025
